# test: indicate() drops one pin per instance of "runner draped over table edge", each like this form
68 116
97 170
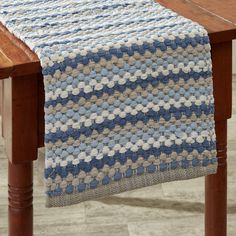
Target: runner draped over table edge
128 94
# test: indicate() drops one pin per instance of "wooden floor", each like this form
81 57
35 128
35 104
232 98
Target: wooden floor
171 209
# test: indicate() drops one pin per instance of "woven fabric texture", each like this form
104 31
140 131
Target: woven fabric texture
129 100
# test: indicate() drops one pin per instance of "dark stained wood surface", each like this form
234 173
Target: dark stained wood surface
18 59
20 118
220 29
222 79
6 66
224 9
216 188
20 198
20 130
216 185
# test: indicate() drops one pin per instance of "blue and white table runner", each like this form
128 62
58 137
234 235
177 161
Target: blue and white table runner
129 100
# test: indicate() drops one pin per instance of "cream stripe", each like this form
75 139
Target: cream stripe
97 86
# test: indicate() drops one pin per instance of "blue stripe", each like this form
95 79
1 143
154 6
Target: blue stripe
92 37
184 164
122 139
132 85
107 26
96 57
40 24
24 3
69 113
145 117
103 7
123 157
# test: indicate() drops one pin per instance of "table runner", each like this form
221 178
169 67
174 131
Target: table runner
128 94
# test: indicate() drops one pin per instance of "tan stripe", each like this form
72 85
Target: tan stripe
122 96
119 62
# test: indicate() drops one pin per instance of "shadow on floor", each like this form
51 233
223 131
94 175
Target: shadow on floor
161 203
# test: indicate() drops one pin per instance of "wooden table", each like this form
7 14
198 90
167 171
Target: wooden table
22 101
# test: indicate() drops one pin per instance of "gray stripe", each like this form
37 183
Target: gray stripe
106 170
130 184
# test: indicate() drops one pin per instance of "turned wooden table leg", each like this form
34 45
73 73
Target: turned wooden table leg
216 185
216 188
20 185
20 122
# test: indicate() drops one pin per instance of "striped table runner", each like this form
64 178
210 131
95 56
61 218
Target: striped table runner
129 99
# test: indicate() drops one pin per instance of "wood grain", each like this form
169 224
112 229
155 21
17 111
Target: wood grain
6 66
16 55
225 9
219 29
